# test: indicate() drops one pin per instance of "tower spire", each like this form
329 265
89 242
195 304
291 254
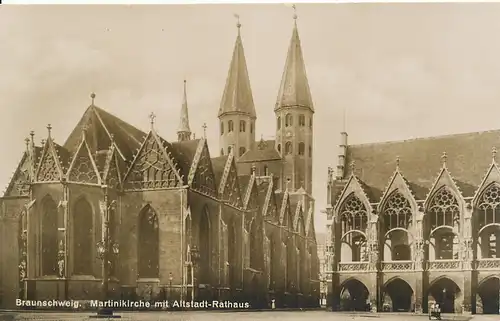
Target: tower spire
184 132
294 89
237 96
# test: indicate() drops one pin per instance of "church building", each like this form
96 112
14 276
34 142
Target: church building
414 223
185 219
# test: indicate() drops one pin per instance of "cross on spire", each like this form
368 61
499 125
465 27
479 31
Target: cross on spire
444 158
294 12
152 117
92 96
353 167
204 130
238 24
494 153
49 129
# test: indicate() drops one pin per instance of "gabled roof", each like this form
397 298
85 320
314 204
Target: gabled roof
184 153
237 96
100 125
264 151
294 89
468 157
218 164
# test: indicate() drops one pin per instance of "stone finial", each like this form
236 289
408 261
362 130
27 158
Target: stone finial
27 142
254 168
494 154
444 158
92 97
397 162
152 117
49 129
204 130
294 7
353 166
238 24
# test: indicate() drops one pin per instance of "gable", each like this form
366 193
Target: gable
270 206
49 169
20 183
492 176
231 188
444 179
152 168
112 174
201 175
397 183
83 168
297 216
352 187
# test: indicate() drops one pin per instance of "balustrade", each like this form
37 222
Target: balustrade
353 266
488 264
397 266
444 265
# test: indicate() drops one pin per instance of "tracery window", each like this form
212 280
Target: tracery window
278 123
148 245
397 212
444 209
243 126
242 150
288 148
83 240
302 148
288 120
489 206
49 244
353 215
230 126
302 120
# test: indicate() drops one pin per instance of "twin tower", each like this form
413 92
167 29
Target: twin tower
294 117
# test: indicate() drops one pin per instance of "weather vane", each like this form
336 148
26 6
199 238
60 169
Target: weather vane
237 16
294 11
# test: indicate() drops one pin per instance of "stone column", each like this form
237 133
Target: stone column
418 259
373 262
467 256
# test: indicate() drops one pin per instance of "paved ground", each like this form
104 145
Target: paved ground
237 316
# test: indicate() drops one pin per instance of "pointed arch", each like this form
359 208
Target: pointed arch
288 148
487 222
148 243
353 220
49 238
273 259
205 245
288 120
83 239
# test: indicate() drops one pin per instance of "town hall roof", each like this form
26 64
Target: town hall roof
468 158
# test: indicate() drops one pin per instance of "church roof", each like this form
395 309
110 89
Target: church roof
294 89
218 165
264 151
237 96
100 125
468 159
184 153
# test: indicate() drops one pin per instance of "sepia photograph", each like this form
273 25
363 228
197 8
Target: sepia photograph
272 161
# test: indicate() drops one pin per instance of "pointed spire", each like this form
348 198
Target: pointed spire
237 96
444 158
184 132
294 89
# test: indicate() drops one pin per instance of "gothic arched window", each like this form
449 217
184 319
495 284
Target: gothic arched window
243 126
222 128
397 212
205 248
302 148
488 217
288 120
353 215
49 244
443 209
148 245
83 240
222 152
242 150
230 126
302 120
278 123
288 148
279 148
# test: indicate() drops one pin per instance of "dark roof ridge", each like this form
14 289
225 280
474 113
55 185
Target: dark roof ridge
425 138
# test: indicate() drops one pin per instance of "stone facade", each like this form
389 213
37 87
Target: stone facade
183 224
416 222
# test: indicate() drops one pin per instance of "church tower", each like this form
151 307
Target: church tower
294 119
237 111
184 132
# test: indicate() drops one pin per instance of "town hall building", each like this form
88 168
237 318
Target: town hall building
185 219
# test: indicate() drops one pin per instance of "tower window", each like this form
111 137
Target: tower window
229 150
288 120
288 148
230 126
302 148
243 126
311 122
222 152
302 120
278 123
266 170
251 128
242 150
310 151
279 148
222 128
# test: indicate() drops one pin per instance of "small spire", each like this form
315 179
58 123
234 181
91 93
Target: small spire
92 96
49 129
27 142
204 130
238 24
353 167
184 131
397 163
152 117
112 137
32 134
254 168
294 12
43 142
444 158
494 154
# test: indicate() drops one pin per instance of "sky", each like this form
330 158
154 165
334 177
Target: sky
396 71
